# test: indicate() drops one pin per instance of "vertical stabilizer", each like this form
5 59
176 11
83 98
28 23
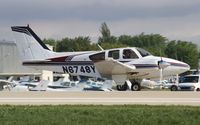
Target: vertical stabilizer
42 86
29 45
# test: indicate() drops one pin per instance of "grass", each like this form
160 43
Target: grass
99 115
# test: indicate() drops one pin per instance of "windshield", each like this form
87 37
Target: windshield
143 52
189 79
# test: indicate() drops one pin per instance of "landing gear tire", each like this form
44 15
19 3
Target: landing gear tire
122 87
174 88
135 87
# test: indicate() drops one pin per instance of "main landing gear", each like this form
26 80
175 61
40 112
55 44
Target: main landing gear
122 87
135 86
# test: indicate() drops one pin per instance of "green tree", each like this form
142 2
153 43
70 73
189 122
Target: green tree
105 32
154 43
171 49
51 42
81 43
64 45
108 45
76 44
183 51
126 40
106 35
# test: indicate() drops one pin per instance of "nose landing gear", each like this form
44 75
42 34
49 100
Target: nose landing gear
135 87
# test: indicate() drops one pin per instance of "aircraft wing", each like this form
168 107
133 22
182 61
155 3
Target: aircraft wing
113 67
5 82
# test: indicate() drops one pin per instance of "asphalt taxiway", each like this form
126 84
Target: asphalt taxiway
101 98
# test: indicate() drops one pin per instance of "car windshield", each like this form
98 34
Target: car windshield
189 79
143 52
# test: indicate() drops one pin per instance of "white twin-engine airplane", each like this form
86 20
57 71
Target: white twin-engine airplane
119 64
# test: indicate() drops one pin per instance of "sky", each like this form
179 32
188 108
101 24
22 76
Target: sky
174 19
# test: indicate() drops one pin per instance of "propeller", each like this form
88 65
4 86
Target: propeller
162 65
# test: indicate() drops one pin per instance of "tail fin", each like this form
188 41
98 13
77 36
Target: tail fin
42 86
29 45
10 78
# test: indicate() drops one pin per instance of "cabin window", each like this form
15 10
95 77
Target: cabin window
98 56
114 54
129 54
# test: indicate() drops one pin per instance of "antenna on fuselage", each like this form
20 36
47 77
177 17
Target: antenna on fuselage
100 47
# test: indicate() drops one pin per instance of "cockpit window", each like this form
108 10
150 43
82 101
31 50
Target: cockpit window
129 54
114 54
143 52
97 57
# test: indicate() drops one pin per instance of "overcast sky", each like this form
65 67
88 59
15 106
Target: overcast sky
175 19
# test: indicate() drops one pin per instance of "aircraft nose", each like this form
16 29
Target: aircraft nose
178 65
185 67
182 66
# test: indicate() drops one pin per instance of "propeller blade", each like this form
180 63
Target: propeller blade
163 64
161 75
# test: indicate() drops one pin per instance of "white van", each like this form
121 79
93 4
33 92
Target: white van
189 82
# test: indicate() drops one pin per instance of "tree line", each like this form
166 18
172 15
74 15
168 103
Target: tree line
156 44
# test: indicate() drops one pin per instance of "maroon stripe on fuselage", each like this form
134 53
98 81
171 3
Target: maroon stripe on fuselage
58 59
65 58
178 64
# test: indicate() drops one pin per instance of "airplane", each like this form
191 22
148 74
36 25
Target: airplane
94 85
42 86
123 65
38 86
5 84
62 84
12 85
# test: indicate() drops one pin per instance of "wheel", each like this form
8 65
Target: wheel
197 89
119 87
122 87
135 87
174 88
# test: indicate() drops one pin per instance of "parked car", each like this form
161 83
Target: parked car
189 82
